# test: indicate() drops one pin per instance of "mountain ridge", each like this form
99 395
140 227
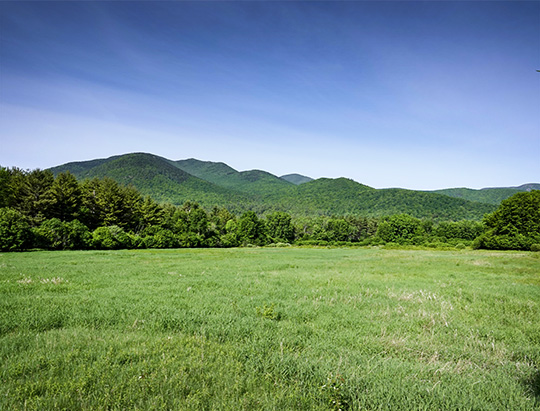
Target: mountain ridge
218 184
488 195
252 181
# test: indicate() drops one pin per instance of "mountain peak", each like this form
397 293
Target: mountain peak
296 178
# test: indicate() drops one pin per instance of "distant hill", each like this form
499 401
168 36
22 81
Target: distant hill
217 184
487 195
154 176
253 182
343 196
296 178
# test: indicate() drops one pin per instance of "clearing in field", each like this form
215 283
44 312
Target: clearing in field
262 328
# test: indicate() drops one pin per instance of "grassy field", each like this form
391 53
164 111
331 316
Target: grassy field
270 328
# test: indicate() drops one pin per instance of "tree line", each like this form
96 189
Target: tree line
39 210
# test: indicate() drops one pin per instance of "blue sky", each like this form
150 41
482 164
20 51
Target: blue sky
419 95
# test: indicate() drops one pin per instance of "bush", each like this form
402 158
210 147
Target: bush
136 241
148 241
513 241
60 235
535 247
15 233
228 240
165 239
191 240
110 238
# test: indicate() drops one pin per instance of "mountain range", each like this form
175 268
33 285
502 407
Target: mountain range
217 184
490 195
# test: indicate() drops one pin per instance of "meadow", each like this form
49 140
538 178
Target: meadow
270 328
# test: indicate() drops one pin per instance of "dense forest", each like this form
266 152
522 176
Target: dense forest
41 210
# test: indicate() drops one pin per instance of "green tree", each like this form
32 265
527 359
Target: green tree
338 229
463 230
66 197
151 213
190 219
5 187
230 237
514 225
37 197
12 188
106 203
250 229
279 227
15 231
400 228
198 222
218 219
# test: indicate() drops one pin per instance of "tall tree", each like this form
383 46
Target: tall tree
250 229
66 197
5 187
399 228
151 213
514 225
15 232
218 219
13 187
106 203
338 229
37 198
279 227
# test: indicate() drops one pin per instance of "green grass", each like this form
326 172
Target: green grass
276 329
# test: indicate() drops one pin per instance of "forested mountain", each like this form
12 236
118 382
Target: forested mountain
217 184
487 195
154 176
343 196
296 178
253 181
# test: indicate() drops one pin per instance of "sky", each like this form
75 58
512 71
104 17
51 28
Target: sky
418 95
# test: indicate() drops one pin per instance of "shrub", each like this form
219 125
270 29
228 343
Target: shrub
60 235
149 241
269 312
191 240
136 241
228 240
165 239
110 238
512 241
